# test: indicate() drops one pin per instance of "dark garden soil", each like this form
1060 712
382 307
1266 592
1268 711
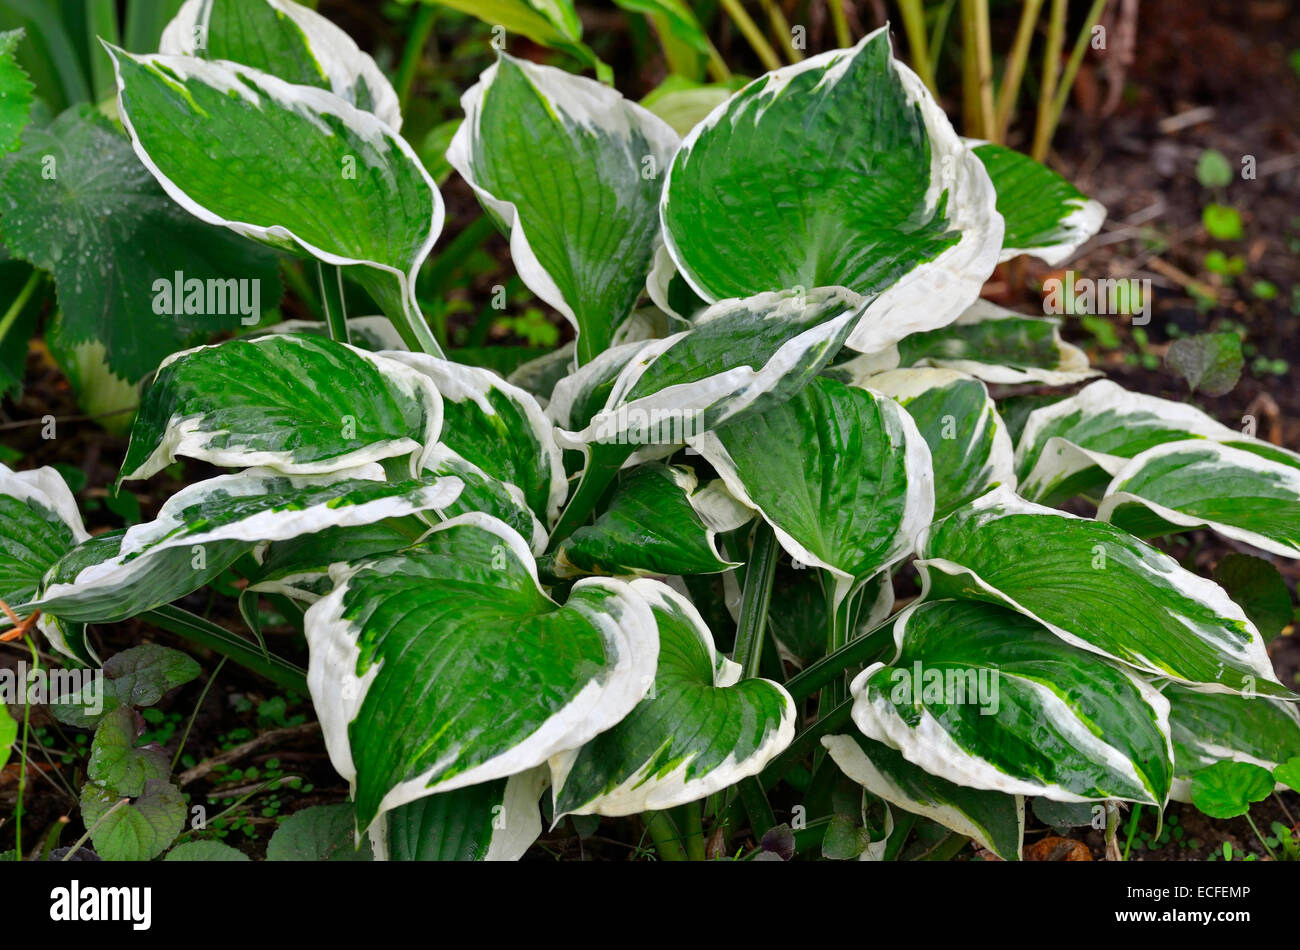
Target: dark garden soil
1203 75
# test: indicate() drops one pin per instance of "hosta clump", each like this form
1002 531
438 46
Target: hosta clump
504 584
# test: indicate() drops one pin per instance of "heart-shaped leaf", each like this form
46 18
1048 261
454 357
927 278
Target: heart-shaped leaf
487 676
990 699
839 170
1097 588
1228 789
139 829
292 166
698 731
337 408
572 172
116 763
842 475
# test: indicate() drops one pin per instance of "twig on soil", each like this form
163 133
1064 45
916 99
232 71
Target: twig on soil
239 751
1183 279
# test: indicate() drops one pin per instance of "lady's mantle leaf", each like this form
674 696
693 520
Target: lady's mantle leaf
134 272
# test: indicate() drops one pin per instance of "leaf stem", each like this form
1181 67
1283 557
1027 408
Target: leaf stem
914 25
1051 72
330 279
751 628
602 466
977 69
781 31
1072 69
207 634
180 748
89 831
664 834
15 308
841 23
858 650
693 820
425 18
749 29
1014 70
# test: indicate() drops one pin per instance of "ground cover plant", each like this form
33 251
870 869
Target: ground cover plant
652 571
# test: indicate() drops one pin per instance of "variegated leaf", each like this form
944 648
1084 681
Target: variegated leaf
292 166
842 474
839 170
1198 483
1218 727
993 819
739 357
651 527
990 699
968 441
699 730
499 428
447 666
990 343
205 527
1073 446
1097 588
571 172
494 821
304 405
285 39
1046 216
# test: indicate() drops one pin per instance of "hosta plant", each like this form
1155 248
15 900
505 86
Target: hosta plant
653 572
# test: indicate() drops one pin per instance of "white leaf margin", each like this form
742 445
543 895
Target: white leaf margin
1285 477
1003 501
184 436
644 791
929 746
1057 457
141 542
932 294
341 60
853 762
338 693
459 383
918 506
577 100
247 83
1082 220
